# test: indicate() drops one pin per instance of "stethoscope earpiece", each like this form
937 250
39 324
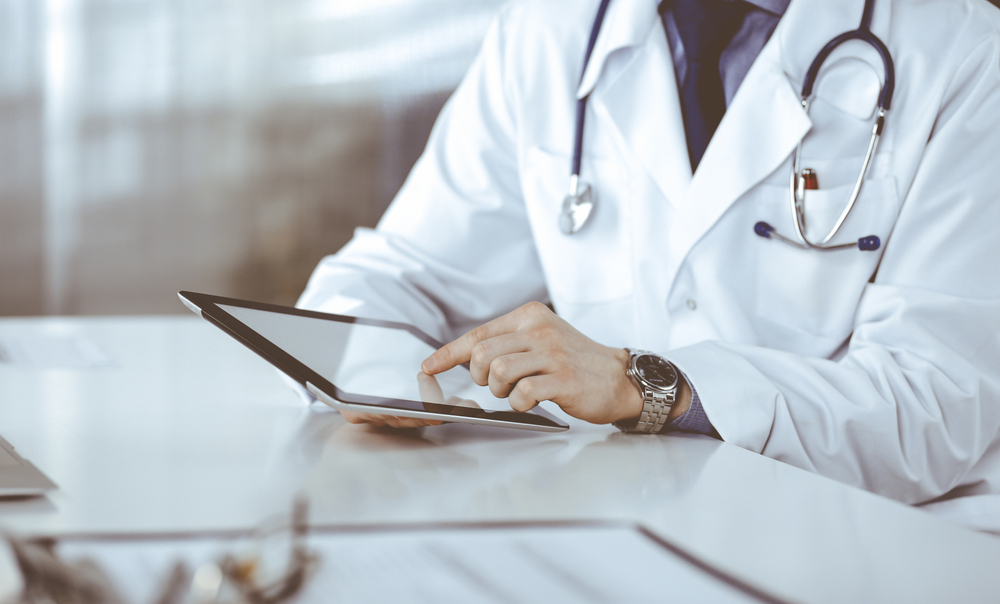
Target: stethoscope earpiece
763 229
869 243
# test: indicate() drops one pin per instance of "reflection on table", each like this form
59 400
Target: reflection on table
185 430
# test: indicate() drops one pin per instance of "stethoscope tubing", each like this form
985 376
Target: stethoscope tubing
864 34
581 104
796 192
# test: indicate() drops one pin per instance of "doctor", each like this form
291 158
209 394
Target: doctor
878 368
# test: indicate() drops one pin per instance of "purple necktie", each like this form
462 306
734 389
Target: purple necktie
706 28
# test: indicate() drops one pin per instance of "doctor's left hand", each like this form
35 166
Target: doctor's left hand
430 391
532 355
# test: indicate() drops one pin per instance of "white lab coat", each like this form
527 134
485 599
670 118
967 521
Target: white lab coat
890 383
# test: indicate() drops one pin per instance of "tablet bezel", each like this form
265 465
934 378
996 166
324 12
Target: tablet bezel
207 306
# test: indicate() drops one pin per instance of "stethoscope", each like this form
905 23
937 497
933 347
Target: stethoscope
579 205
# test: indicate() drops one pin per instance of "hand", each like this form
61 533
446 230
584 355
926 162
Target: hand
531 355
393 421
430 391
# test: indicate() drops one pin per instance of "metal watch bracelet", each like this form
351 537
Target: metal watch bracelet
657 402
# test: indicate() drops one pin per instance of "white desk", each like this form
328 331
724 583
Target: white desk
189 430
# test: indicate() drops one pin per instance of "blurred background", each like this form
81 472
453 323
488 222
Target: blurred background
225 146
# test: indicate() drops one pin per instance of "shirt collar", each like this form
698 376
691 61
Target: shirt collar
777 7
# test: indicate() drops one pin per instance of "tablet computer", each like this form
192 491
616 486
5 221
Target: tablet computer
362 365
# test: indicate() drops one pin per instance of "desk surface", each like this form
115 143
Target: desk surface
185 429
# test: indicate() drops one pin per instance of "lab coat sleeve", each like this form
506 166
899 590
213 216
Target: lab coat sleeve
454 249
915 402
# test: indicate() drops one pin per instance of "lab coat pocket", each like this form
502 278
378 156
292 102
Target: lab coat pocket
595 264
815 293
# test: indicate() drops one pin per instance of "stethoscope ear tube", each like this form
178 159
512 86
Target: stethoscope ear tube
797 192
865 244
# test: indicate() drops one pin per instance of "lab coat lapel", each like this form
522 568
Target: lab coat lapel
759 131
765 120
640 97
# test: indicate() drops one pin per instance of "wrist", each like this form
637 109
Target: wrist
629 395
683 402
635 411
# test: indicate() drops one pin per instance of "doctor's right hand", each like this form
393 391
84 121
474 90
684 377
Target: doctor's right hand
532 355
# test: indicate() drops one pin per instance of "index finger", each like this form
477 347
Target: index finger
459 351
430 390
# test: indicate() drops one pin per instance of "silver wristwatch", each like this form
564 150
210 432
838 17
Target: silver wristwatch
657 379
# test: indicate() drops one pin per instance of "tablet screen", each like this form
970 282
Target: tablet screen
369 360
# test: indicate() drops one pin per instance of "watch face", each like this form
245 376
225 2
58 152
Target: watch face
655 371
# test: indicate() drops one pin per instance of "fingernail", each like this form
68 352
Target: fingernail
428 365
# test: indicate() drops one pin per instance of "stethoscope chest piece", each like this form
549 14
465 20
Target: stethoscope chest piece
577 207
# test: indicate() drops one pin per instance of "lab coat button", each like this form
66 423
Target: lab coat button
692 304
